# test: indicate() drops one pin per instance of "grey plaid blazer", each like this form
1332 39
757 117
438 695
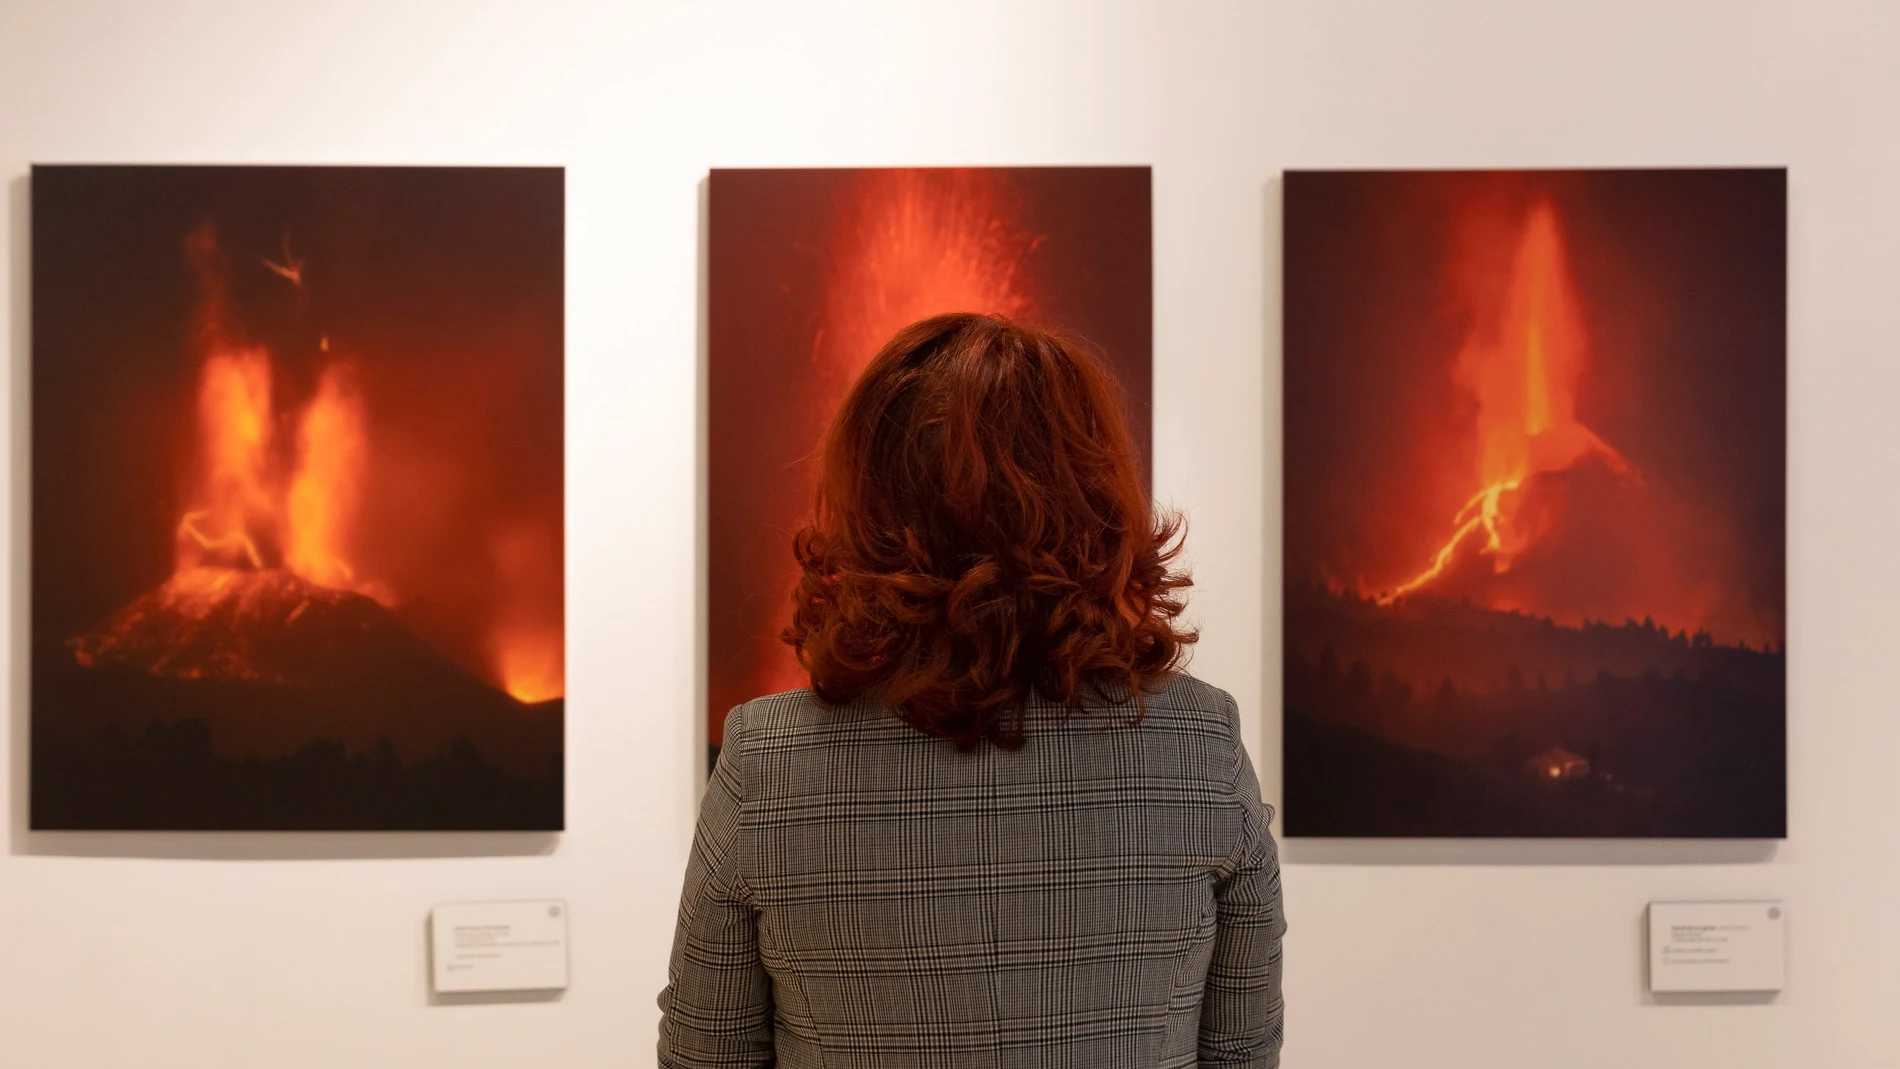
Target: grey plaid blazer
861 894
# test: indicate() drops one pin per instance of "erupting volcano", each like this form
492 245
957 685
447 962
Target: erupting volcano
1522 368
812 271
1535 455
357 621
906 245
261 551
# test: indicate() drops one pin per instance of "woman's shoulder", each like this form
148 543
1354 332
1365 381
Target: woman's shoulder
784 703
796 713
1189 696
1185 702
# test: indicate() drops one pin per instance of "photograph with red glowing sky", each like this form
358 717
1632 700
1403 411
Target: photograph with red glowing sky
297 498
810 271
1535 503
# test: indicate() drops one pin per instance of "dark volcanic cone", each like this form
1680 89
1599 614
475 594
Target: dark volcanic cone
270 661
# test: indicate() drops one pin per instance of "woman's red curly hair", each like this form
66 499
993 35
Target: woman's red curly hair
982 535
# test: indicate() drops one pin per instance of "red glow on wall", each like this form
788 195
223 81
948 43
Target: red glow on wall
279 484
1521 363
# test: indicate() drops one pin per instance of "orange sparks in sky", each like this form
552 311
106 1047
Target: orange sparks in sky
917 243
528 646
321 506
1522 364
260 504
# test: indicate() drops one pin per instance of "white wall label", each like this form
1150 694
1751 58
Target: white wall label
500 946
1717 947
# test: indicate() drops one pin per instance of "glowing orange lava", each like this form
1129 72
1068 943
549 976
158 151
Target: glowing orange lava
246 511
1522 365
332 453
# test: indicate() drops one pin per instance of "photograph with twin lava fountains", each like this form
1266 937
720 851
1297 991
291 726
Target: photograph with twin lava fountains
810 272
297 501
1535 503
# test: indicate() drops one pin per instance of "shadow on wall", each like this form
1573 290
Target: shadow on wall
1685 998
472 998
1410 851
1272 620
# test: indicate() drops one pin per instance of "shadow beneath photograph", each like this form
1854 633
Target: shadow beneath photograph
288 521
477 998
1534 511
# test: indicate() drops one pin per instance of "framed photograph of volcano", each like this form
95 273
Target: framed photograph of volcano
1535 503
811 271
297 498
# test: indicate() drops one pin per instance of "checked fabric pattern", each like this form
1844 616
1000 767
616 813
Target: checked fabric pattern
861 894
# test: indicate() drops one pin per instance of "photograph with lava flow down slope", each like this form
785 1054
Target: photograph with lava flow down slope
810 272
297 498
1535 503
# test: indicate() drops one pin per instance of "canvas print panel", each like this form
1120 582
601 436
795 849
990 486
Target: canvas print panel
811 271
297 498
1535 503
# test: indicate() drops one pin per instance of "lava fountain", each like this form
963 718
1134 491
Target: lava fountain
251 510
1522 360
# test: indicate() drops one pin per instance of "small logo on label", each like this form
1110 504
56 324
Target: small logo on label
554 911
1774 913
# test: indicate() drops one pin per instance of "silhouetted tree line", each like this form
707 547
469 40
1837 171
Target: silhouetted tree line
1691 742
168 777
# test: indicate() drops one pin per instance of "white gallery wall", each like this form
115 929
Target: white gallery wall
204 951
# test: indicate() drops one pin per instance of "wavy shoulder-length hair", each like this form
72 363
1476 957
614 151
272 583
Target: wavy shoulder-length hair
982 535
